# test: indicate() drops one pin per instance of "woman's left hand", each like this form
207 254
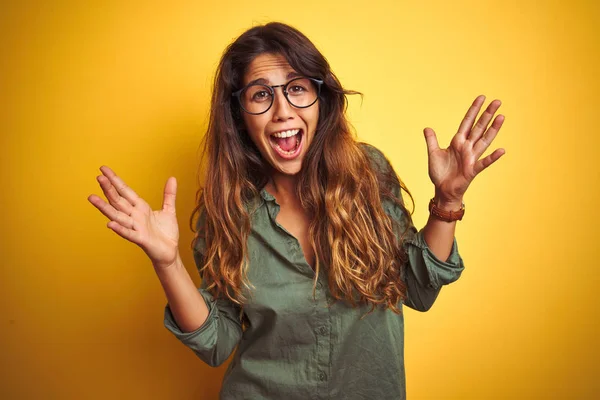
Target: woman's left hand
453 169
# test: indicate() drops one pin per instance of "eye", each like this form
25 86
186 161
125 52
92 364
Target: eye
296 89
261 95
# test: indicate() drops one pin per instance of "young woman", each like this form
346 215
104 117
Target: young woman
305 248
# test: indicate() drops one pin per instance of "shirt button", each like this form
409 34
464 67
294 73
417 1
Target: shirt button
322 330
319 285
322 376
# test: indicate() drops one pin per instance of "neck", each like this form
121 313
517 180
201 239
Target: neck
283 187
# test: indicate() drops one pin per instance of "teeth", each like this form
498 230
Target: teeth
285 134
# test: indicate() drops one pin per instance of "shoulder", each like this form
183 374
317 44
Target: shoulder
378 160
386 175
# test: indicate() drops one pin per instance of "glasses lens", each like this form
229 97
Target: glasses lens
302 92
256 98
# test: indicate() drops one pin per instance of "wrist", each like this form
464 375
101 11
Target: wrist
448 210
447 203
168 266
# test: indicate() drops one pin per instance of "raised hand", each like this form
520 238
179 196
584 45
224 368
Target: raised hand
156 232
453 169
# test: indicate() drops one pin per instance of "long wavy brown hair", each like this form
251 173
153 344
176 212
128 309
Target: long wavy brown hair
352 236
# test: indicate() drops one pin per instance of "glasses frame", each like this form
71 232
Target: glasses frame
283 87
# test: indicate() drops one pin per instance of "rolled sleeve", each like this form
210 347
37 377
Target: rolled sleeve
189 338
428 269
215 340
425 274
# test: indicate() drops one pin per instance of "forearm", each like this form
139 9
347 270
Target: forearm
187 304
439 234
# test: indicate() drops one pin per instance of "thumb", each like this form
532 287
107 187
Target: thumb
169 196
431 139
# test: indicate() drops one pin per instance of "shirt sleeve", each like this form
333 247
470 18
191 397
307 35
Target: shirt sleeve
215 340
424 274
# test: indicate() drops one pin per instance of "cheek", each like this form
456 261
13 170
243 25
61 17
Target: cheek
312 120
255 129
251 127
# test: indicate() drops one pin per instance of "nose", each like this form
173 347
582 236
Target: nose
282 109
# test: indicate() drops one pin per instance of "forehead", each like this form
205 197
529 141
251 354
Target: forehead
270 68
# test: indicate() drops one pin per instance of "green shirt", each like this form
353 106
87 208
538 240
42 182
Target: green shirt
298 348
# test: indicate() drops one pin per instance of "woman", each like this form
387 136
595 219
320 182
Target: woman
304 246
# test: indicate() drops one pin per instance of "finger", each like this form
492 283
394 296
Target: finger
484 142
431 139
124 190
125 233
483 121
114 198
487 161
469 119
169 196
110 212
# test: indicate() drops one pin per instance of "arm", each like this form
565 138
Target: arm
210 327
425 274
439 234
184 301
427 269
453 169
215 340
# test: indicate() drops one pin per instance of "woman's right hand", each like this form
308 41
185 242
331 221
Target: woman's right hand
156 232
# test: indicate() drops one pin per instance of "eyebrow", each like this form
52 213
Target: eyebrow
263 81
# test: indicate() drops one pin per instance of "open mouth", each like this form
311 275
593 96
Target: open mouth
287 144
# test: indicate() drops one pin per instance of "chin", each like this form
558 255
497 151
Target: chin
292 169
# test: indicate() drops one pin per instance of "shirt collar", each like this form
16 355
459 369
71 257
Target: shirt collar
266 195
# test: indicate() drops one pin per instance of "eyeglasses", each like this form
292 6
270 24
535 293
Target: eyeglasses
300 92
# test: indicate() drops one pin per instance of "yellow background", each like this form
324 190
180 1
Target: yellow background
124 84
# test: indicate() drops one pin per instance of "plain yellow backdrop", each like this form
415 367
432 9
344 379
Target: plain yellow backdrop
127 84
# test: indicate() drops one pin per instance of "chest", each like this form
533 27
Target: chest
296 222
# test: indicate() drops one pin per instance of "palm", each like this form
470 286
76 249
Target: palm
158 232
453 169
163 225
132 218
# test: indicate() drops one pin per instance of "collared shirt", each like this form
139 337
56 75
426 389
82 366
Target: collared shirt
296 347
